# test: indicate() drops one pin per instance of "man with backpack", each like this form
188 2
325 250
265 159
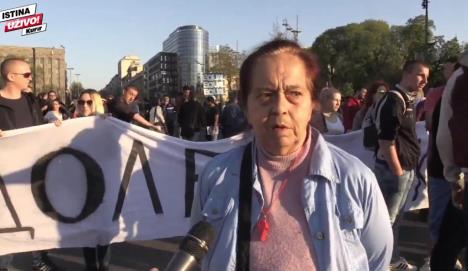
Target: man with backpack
398 150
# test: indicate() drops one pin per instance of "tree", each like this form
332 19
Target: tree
450 49
357 54
225 62
412 39
76 88
276 31
360 53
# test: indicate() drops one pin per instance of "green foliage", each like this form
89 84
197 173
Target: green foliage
358 54
450 49
75 89
347 90
226 63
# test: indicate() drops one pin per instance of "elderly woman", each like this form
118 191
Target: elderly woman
329 121
288 200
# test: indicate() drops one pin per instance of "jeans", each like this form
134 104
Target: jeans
395 191
439 196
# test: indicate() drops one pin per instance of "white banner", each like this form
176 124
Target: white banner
98 181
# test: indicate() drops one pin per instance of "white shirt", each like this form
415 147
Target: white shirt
52 116
334 128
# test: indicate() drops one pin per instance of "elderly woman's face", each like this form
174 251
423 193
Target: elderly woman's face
279 104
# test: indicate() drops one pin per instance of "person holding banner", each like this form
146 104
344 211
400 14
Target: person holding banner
96 259
288 200
126 109
19 109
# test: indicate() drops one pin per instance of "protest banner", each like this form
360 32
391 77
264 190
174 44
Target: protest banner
100 180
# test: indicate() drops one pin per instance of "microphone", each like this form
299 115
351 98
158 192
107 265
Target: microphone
193 247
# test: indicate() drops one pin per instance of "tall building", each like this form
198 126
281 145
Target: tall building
47 64
130 72
190 43
161 76
129 64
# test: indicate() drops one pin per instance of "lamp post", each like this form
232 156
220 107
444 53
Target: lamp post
294 31
68 81
425 5
77 80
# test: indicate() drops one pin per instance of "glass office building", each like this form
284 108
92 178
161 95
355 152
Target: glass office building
190 43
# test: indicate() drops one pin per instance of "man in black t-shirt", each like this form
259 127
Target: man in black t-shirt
19 109
125 108
398 151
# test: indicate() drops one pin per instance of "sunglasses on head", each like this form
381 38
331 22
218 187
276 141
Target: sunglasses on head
88 102
25 75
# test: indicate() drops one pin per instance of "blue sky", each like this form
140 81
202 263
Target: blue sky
97 34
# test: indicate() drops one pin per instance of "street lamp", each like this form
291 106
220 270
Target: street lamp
294 31
77 80
69 79
425 5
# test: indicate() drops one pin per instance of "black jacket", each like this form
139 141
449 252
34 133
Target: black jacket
7 119
191 118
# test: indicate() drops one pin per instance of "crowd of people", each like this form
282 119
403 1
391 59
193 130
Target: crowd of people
293 201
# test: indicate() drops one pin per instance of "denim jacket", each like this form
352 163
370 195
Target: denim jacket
347 216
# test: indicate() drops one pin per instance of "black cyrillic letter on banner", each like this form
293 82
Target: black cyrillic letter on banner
94 180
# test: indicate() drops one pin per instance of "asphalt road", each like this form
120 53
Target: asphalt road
413 243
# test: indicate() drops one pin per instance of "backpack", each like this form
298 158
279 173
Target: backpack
369 127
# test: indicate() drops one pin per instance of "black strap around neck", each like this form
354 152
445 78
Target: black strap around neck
245 210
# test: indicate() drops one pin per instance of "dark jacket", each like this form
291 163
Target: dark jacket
233 120
191 118
318 121
7 118
458 124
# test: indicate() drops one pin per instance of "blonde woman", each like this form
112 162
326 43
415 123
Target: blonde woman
96 258
98 104
329 121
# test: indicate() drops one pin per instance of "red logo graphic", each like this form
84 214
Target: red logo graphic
24 22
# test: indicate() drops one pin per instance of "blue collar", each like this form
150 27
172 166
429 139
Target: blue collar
321 162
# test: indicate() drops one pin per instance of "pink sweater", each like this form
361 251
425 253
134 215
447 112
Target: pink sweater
289 245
